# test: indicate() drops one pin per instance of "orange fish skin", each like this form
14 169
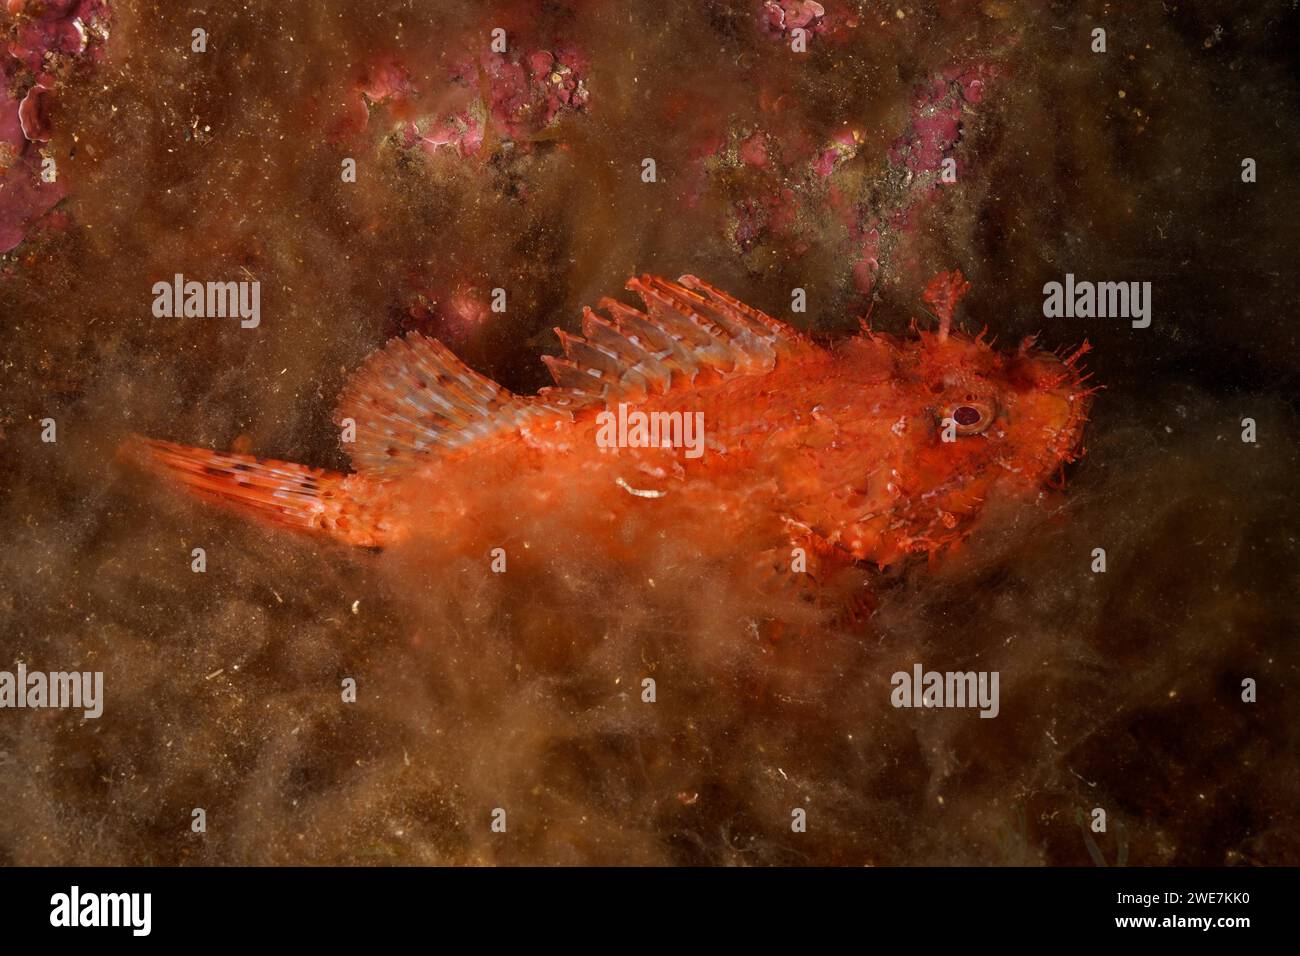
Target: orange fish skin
841 448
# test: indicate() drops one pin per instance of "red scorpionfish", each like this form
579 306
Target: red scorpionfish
871 451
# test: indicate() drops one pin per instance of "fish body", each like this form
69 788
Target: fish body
872 450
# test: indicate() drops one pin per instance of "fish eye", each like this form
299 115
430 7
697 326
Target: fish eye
970 417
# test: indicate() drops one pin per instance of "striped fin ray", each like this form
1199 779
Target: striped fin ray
278 492
414 398
688 327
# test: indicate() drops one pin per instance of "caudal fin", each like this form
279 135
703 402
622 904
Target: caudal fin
277 492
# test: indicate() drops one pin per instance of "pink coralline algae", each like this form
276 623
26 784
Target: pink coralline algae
60 27
526 99
33 114
48 40
496 101
385 81
461 132
776 176
781 185
936 117
779 17
514 100
916 158
842 147
764 174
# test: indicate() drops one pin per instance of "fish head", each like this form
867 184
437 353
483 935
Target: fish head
968 425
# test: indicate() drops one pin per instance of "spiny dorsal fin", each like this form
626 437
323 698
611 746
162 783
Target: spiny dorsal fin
414 398
688 327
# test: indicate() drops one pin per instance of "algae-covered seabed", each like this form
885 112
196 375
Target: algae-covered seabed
1120 690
